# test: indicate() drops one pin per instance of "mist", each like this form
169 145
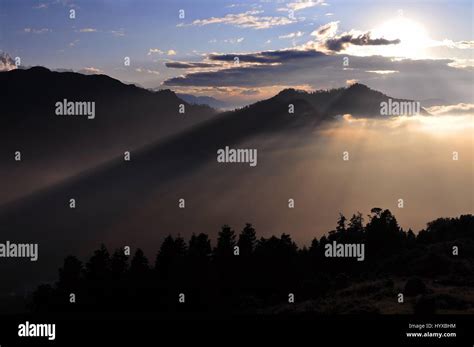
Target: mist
409 158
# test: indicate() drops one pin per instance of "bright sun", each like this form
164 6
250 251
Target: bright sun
413 36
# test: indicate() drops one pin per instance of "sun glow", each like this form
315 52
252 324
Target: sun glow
443 125
412 35
434 125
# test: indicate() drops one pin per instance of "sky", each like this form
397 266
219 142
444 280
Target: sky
244 51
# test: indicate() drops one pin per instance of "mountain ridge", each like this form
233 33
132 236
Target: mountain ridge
126 118
130 118
356 99
204 100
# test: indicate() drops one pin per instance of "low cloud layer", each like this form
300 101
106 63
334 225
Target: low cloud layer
189 65
457 109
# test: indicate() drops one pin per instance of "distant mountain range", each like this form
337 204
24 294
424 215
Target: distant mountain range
130 117
357 100
205 100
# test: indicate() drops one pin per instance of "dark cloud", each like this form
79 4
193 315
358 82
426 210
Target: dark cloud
250 92
267 56
189 65
326 29
232 77
416 79
340 43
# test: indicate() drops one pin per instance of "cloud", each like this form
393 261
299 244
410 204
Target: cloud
340 43
327 40
249 19
327 30
158 51
87 30
302 4
6 62
117 33
47 4
262 64
460 51
462 63
40 6
382 72
458 44
155 51
266 57
292 35
36 31
250 92
91 71
188 65
457 109
231 41
415 79
234 41
153 72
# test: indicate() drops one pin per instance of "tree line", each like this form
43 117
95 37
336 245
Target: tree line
243 273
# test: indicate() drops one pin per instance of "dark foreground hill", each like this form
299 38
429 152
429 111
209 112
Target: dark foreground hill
54 147
246 275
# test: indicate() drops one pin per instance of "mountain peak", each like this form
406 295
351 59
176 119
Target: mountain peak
166 92
291 92
356 99
38 69
359 86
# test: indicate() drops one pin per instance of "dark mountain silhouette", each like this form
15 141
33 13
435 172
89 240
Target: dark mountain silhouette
118 107
357 100
126 117
205 100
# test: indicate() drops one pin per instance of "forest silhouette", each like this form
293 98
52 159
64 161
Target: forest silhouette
214 280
